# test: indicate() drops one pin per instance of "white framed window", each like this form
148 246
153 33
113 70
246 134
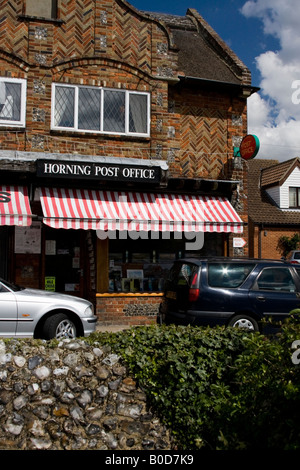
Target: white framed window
104 110
294 197
12 102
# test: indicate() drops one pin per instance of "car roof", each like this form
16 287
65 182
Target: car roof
269 262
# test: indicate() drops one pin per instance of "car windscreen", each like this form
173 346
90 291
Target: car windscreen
229 275
10 286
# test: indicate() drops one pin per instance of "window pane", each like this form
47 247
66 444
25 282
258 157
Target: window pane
276 279
292 197
42 8
138 113
64 106
114 111
89 109
10 101
228 275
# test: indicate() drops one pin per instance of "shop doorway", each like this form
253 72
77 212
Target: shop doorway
4 252
70 262
64 267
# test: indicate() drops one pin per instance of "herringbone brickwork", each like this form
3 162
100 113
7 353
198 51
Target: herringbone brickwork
204 139
109 43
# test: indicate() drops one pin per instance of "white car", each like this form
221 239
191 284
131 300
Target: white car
26 312
293 256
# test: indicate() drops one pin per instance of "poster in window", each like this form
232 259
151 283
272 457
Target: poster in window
28 239
135 273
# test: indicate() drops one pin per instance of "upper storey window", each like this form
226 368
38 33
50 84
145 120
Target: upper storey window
92 109
294 197
41 8
12 102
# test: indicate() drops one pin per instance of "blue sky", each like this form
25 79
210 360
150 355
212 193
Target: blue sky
265 35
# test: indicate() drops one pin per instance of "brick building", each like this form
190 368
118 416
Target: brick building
274 202
117 130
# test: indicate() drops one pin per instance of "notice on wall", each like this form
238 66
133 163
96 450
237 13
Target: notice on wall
50 283
50 247
28 239
239 242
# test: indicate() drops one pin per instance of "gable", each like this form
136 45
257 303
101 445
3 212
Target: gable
277 174
263 203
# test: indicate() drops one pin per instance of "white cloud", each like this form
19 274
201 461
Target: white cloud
272 114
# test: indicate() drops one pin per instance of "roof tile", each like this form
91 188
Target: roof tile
262 209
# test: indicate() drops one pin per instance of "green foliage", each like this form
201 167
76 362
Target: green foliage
287 244
218 388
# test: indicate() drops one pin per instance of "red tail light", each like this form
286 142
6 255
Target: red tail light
193 294
194 290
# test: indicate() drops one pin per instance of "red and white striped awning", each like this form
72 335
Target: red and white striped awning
135 211
14 206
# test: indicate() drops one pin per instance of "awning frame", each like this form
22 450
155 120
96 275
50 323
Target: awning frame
136 211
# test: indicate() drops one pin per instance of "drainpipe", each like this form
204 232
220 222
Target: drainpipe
261 226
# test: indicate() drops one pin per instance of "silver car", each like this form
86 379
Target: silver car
26 312
293 257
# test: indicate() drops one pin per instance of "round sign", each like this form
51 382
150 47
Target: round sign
249 147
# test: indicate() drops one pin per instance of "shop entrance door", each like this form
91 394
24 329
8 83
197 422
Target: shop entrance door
63 261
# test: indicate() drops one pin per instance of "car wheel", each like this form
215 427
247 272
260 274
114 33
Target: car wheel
59 326
244 321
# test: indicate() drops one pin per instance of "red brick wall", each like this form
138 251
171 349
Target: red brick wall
265 241
127 309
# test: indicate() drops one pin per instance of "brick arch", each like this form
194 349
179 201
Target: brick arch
103 62
15 60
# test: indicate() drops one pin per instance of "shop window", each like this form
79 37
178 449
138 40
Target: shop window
294 197
92 109
41 9
12 102
141 265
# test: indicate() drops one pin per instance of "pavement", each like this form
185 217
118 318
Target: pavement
111 328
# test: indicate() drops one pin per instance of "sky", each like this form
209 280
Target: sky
265 35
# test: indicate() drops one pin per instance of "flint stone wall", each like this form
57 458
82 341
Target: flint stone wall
72 396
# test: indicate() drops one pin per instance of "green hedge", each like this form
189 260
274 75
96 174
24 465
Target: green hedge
218 388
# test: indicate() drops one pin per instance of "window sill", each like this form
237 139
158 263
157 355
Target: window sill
100 134
8 127
130 294
39 19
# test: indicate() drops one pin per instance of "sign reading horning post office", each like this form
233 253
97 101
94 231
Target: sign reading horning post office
98 171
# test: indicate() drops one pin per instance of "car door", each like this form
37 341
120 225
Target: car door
275 293
8 312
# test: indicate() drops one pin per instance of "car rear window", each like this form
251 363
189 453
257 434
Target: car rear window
183 274
228 275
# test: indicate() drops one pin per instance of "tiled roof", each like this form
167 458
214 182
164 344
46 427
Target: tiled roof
262 209
201 52
277 174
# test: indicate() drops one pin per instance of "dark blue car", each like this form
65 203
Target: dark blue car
232 292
